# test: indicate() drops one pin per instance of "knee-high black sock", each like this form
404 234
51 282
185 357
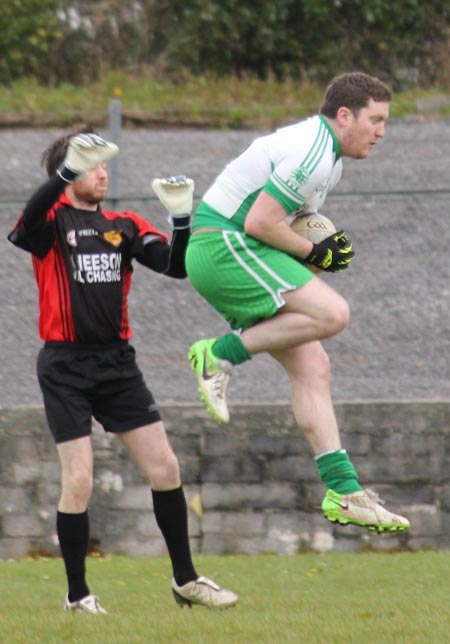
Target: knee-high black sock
171 516
73 535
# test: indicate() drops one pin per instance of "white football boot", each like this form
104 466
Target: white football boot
213 375
88 604
363 508
203 592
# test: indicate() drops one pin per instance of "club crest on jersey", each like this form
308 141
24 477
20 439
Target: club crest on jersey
297 178
71 238
114 237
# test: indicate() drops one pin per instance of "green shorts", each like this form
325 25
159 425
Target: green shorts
241 277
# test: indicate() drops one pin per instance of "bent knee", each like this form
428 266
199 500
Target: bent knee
337 318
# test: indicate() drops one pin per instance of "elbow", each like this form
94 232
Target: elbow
252 228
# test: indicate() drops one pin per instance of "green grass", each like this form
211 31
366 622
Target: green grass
365 598
205 102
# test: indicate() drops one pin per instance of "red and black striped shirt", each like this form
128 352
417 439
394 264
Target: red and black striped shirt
82 262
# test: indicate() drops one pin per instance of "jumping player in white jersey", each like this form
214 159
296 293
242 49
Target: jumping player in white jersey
245 260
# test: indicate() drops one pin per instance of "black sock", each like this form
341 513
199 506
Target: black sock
73 535
171 516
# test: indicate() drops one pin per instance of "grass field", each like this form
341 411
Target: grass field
203 102
365 598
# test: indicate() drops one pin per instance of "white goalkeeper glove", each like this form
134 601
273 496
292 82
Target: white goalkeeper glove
177 195
85 152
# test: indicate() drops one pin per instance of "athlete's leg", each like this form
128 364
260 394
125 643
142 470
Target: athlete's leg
246 282
313 312
76 474
308 370
150 448
72 518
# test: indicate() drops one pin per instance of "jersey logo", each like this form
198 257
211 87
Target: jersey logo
114 237
71 238
323 189
297 178
87 232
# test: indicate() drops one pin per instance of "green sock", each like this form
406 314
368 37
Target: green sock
229 347
337 472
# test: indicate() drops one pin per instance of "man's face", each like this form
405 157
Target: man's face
362 132
91 189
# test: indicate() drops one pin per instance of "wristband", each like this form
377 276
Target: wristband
179 223
66 174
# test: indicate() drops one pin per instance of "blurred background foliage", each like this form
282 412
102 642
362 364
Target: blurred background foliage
406 42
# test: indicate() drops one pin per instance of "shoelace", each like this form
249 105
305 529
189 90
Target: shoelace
220 381
91 602
205 581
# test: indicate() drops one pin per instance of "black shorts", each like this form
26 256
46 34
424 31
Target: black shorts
80 382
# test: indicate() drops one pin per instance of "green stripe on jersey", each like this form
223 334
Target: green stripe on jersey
291 186
316 150
290 205
336 144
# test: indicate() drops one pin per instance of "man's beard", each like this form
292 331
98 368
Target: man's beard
93 198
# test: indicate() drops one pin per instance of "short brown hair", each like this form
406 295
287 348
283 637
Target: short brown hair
55 154
353 90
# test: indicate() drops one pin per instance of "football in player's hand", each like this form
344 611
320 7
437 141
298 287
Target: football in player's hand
314 227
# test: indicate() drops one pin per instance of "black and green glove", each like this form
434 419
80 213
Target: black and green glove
332 254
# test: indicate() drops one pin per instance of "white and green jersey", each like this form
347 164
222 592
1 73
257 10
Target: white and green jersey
297 165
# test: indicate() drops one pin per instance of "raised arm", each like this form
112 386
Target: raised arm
176 194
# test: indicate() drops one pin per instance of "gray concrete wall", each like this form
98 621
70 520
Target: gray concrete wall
255 479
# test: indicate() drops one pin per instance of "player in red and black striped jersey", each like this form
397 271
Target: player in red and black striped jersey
82 258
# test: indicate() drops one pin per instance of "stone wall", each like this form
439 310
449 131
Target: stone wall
252 486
